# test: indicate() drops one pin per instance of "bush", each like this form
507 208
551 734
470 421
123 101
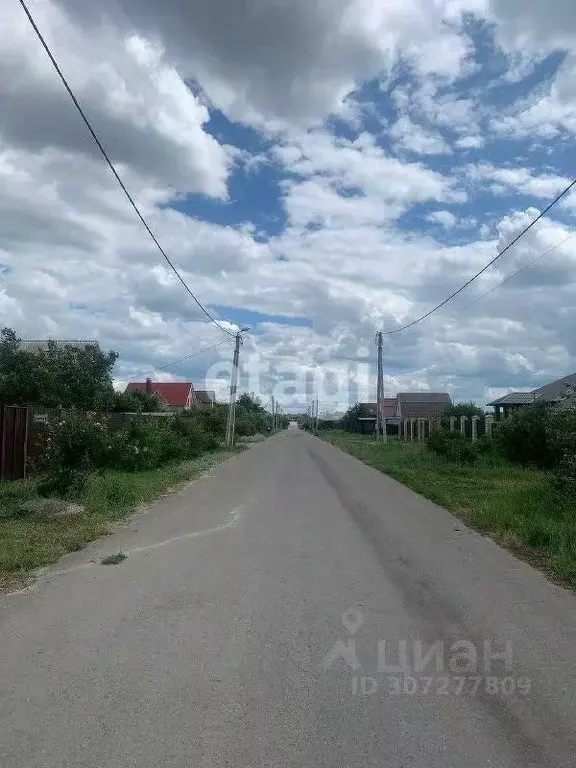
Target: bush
142 445
524 437
213 420
244 427
76 447
561 436
80 445
453 446
194 433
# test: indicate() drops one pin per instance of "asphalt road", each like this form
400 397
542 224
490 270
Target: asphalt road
257 621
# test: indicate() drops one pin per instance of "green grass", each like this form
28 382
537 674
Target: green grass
515 505
119 557
28 542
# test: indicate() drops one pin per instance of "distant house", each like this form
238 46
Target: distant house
173 395
367 420
406 405
205 398
422 405
551 394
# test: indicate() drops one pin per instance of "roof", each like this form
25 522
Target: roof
423 405
390 406
174 393
205 396
553 391
41 345
425 397
514 398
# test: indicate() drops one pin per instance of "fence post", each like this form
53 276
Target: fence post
463 420
475 420
489 422
452 423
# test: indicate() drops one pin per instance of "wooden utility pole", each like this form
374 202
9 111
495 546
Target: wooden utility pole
231 421
273 415
380 412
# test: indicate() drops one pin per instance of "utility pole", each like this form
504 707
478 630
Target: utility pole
380 411
273 415
317 409
231 421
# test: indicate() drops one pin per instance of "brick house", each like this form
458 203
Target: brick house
551 394
173 395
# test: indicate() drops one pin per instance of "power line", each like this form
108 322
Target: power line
487 266
180 360
517 271
115 172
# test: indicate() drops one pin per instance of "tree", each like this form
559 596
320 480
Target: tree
350 421
60 376
250 402
463 409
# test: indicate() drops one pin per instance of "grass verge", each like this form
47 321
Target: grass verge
517 506
29 542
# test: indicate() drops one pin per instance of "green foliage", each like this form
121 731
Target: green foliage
119 557
213 420
452 446
134 401
76 447
462 409
251 416
350 421
60 376
561 435
524 437
80 445
192 428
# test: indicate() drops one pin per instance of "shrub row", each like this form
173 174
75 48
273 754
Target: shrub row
81 445
537 436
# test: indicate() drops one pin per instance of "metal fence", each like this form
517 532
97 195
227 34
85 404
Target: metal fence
24 432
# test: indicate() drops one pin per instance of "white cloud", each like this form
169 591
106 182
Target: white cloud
414 138
523 180
357 168
76 262
139 105
470 142
532 24
445 218
295 59
545 115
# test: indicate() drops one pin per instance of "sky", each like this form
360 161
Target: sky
317 169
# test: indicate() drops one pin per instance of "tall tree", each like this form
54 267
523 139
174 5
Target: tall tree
59 376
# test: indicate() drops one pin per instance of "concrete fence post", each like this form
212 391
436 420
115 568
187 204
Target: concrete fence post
452 423
475 420
489 421
406 422
463 421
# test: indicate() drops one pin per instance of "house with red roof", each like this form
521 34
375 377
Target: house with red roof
173 395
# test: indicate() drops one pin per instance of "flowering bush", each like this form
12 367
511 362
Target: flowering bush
75 447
